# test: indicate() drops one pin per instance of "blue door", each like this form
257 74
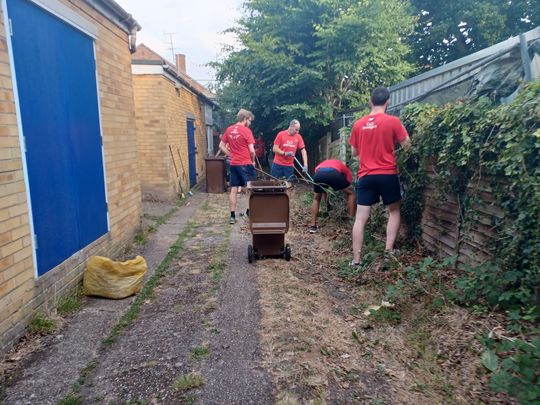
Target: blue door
56 83
192 153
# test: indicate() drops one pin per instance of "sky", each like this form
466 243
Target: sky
195 27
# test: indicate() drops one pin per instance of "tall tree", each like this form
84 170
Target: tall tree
307 59
459 27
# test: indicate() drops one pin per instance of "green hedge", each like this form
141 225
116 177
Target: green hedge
466 141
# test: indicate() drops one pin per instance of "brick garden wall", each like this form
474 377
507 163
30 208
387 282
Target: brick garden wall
21 293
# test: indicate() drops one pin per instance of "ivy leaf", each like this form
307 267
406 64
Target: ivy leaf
490 360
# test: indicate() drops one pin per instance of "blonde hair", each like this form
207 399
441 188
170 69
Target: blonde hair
243 115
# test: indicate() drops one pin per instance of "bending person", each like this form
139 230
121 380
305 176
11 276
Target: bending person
331 173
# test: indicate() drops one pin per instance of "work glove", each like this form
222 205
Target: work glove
288 154
304 169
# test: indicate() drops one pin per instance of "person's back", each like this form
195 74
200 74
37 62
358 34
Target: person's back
238 137
375 137
336 164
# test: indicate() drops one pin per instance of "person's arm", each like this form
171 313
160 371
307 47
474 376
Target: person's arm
252 152
304 159
278 151
224 149
354 152
406 143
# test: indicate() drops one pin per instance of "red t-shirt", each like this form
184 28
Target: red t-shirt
238 137
287 143
259 147
375 138
338 165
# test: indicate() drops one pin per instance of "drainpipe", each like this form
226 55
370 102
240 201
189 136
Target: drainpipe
132 39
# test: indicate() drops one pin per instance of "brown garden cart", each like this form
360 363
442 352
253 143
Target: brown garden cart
268 219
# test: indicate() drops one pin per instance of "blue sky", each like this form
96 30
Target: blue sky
195 25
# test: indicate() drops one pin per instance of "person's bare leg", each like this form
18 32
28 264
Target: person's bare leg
232 198
315 208
392 228
350 195
362 216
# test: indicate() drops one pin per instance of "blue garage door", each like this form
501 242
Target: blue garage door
192 153
56 83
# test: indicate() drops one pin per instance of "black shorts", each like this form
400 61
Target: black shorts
328 177
240 175
370 188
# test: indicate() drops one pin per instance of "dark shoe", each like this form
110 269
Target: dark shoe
247 212
232 220
313 229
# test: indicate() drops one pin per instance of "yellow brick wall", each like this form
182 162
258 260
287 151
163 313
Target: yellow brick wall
21 293
161 114
151 125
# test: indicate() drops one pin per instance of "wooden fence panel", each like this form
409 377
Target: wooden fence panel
446 231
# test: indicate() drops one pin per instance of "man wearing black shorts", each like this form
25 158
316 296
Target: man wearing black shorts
237 142
331 173
373 139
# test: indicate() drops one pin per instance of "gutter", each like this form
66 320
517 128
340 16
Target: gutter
120 17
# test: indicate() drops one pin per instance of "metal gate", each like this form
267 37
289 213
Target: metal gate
55 75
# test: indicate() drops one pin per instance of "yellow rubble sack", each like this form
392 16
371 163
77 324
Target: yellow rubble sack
104 277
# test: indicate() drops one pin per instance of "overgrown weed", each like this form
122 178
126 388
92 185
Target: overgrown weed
187 382
71 303
41 324
200 352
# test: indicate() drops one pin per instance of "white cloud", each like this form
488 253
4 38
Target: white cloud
196 28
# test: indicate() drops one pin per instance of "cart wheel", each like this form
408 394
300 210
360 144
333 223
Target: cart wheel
250 254
287 254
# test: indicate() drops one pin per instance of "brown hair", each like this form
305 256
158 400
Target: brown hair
243 115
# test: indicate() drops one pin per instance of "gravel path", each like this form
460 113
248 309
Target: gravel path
233 373
202 321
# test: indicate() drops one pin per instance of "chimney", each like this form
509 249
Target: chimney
181 63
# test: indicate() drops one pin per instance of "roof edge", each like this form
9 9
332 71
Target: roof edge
503 46
114 12
175 74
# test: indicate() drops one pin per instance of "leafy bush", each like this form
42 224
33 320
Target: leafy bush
470 140
517 373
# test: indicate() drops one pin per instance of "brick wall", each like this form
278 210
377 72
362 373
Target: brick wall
21 293
161 115
151 124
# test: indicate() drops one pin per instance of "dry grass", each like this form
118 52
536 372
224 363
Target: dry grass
318 345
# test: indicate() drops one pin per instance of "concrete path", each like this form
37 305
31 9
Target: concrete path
195 340
50 373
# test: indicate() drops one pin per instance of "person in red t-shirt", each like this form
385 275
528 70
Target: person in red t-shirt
373 139
335 174
285 146
237 142
260 147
